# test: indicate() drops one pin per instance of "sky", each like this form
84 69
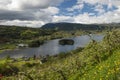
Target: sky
35 13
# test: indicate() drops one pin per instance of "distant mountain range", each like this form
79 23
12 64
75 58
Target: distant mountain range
76 26
66 26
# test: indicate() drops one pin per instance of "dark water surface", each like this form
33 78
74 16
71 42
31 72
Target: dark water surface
51 47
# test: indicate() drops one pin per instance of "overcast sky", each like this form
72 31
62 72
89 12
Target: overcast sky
36 13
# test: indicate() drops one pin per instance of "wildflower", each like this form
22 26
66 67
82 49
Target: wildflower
100 67
93 77
106 76
100 78
108 72
95 73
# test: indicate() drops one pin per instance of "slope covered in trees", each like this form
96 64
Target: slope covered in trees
15 32
76 26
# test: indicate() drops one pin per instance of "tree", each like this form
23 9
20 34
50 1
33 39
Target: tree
28 34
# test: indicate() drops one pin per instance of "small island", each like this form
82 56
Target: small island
66 42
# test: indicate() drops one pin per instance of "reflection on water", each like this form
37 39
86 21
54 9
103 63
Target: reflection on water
51 47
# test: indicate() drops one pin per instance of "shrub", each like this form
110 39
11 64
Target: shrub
35 43
8 70
29 64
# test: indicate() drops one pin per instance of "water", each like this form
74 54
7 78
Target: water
51 47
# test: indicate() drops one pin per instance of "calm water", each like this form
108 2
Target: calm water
51 47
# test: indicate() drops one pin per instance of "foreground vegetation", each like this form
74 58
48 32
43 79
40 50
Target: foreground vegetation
97 61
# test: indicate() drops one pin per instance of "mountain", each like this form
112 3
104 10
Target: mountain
76 26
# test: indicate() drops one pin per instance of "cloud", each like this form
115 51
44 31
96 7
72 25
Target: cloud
93 1
51 10
76 7
28 18
91 18
99 8
39 12
28 10
107 17
62 19
23 11
12 15
28 4
109 3
32 23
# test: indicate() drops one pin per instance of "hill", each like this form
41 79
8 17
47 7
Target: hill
76 26
16 32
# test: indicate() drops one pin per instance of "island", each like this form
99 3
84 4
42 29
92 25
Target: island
66 42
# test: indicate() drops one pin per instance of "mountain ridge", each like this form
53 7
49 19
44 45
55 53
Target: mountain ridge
78 26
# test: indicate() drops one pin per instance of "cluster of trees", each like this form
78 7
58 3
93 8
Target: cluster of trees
8 33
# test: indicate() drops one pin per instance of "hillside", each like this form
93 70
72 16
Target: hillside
8 33
97 61
76 26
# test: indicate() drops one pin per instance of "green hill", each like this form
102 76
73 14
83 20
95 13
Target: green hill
76 26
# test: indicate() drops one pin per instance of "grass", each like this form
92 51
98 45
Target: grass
106 70
6 46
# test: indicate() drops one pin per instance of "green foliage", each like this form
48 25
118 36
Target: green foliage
7 57
106 70
35 43
29 64
28 34
97 61
7 69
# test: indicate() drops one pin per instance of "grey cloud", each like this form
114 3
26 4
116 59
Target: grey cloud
20 15
28 9
25 15
29 4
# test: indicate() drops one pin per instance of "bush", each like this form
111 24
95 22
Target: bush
8 70
35 43
29 64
